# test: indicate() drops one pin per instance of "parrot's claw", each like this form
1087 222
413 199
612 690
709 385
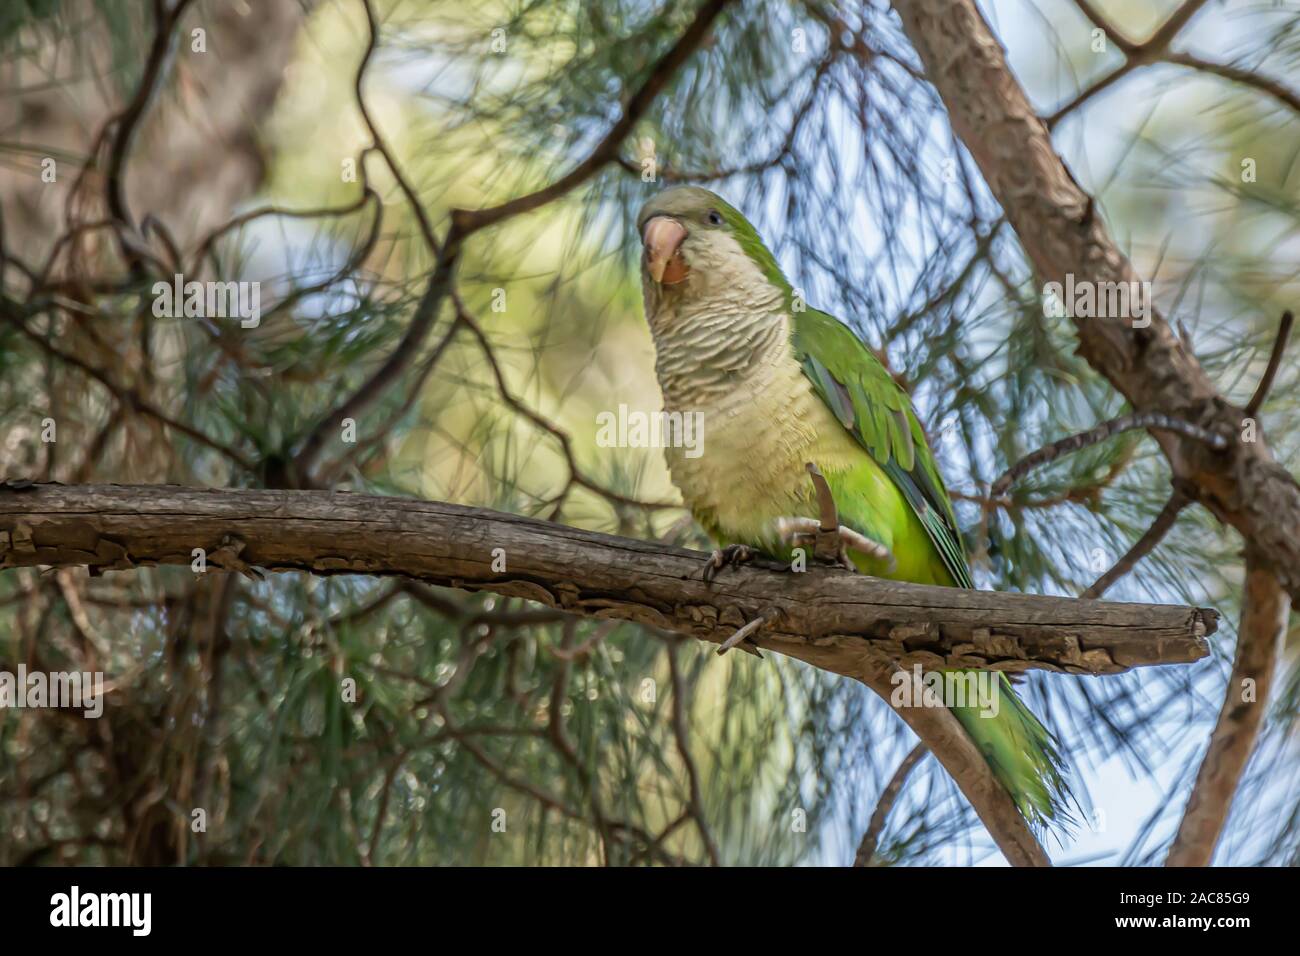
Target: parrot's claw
861 543
723 557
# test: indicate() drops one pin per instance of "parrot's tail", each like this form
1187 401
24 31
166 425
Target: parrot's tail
1022 754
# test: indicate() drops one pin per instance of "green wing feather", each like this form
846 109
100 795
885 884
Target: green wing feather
872 407
865 398
867 401
862 394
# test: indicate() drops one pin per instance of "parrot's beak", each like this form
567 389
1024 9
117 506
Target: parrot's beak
662 239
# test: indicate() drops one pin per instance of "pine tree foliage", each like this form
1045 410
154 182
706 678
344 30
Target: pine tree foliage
350 720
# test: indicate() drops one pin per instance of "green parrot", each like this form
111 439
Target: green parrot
780 384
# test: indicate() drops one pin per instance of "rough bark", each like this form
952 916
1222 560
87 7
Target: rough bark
835 620
1061 233
865 628
1259 644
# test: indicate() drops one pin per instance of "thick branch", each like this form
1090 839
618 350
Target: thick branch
944 736
1244 486
835 620
1259 644
861 627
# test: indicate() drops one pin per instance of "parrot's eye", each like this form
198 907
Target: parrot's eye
714 217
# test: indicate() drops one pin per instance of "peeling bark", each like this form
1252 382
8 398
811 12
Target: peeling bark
835 620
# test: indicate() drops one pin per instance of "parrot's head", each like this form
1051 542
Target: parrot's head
696 247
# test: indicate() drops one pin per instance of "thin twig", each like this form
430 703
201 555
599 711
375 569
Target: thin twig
1136 55
1142 547
1156 50
124 125
466 222
888 797
1274 360
357 452
744 633
1235 74
331 212
394 767
127 397
1153 420
576 476
682 738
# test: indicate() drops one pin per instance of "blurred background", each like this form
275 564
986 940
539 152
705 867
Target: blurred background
588 742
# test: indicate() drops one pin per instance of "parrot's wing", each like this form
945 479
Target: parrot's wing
870 404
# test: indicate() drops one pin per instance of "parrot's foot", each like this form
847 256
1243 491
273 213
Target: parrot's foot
807 532
732 554
737 554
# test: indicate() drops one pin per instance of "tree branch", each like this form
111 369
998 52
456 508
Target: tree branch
1243 486
125 123
868 629
1137 55
871 839
13 313
1141 548
832 619
1274 361
465 222
1099 433
945 737
1235 74
695 803
1259 644
1156 50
